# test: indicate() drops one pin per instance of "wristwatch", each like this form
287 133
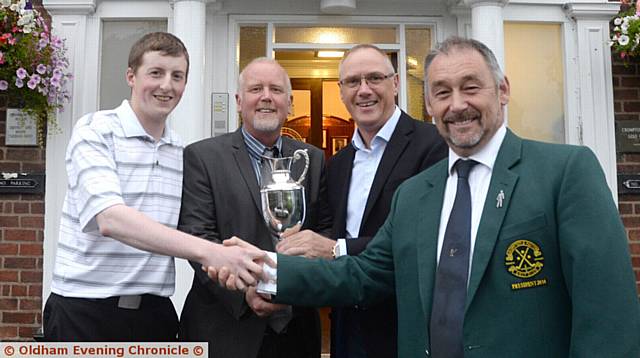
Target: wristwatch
339 249
335 252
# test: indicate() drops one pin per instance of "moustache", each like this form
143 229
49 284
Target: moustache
467 114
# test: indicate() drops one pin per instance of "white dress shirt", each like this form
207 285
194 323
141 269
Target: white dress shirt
479 180
365 166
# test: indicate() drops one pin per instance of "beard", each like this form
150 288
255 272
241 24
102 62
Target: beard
469 137
266 125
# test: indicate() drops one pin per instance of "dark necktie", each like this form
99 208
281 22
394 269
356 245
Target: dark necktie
271 152
450 293
265 168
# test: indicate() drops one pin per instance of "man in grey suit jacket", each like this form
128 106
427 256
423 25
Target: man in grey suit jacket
221 199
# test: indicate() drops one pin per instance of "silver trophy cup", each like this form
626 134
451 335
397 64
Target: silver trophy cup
283 201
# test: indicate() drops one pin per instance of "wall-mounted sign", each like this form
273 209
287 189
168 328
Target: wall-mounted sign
21 129
628 183
22 183
220 113
628 136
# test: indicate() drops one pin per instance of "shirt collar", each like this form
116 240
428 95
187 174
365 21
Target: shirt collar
132 128
384 133
254 146
487 155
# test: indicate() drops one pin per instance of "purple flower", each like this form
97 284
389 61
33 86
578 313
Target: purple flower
32 84
19 83
57 73
57 42
55 81
42 43
35 78
41 69
21 73
4 85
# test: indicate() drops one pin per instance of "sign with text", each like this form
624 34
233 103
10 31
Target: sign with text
628 136
22 183
21 129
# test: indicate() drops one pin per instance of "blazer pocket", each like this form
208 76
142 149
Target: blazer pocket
526 227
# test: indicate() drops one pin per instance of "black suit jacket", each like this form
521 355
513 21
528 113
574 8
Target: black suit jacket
220 199
413 147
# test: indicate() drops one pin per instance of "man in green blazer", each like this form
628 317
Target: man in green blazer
549 273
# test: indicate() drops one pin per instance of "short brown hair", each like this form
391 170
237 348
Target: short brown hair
164 42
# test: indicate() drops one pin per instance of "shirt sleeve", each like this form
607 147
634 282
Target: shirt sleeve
92 174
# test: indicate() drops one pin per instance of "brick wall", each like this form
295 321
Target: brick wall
626 87
21 236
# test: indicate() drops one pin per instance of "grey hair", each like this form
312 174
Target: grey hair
264 60
356 48
459 43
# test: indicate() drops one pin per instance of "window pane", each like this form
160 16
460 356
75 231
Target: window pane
533 61
253 44
418 40
117 39
338 35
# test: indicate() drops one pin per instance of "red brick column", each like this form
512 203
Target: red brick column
21 237
626 94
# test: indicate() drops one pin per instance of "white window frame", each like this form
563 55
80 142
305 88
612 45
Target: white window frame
434 23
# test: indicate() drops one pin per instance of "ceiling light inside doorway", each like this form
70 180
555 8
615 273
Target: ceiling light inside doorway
412 62
337 6
330 54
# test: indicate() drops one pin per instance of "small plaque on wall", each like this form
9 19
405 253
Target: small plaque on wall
21 129
220 113
628 136
22 183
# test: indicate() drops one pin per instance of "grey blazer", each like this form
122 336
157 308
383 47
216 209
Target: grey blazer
220 199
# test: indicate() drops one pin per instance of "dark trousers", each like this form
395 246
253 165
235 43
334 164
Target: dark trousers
296 341
68 319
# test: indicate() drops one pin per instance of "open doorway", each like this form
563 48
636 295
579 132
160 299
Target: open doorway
318 116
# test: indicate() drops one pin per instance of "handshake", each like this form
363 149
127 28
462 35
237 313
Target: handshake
244 265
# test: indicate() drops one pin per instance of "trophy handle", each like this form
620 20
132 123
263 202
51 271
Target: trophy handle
296 155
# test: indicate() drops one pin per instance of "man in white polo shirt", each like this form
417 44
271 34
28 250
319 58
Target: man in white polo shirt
114 269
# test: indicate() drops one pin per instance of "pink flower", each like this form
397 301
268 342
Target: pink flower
1 57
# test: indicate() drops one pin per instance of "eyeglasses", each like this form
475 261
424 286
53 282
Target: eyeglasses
372 79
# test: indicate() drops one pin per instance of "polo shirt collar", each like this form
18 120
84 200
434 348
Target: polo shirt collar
132 128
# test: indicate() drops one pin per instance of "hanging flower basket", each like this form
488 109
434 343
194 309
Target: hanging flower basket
33 65
625 34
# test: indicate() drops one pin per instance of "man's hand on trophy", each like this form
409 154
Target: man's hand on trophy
305 243
237 264
260 303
